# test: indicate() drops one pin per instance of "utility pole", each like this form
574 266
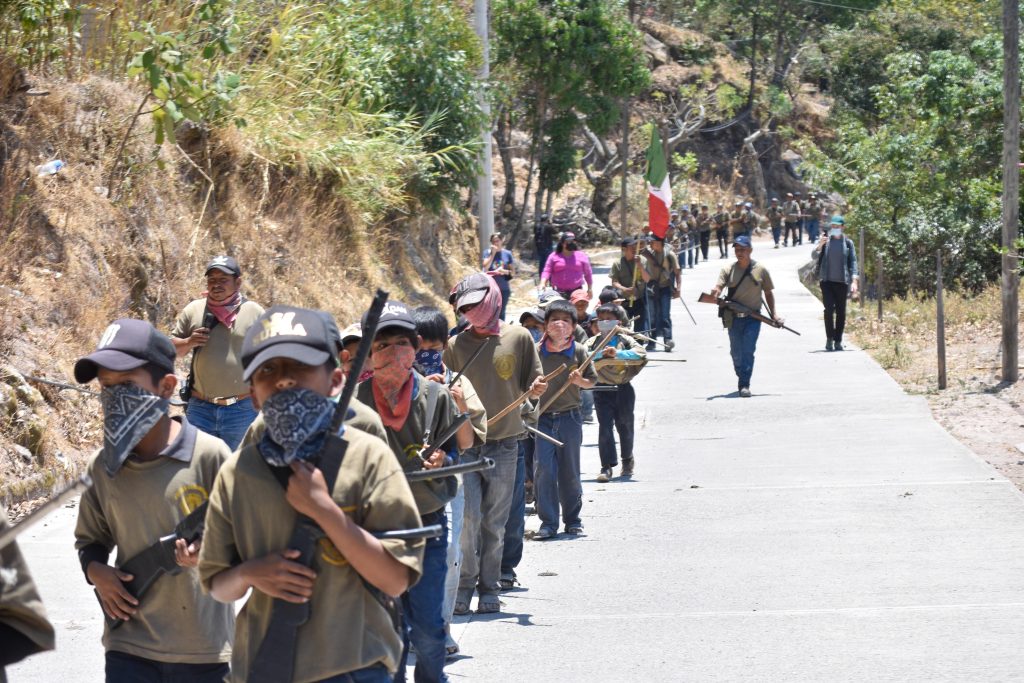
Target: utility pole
1011 184
624 152
484 181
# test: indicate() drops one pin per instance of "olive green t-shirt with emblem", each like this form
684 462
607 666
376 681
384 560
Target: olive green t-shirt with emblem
362 417
249 518
749 292
502 372
406 442
176 622
218 365
573 357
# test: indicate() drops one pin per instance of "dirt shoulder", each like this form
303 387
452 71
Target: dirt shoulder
976 407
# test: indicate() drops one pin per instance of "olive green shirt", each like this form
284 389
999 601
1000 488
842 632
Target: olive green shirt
501 374
551 361
749 292
617 370
20 606
407 441
662 268
623 273
176 622
249 518
362 418
218 365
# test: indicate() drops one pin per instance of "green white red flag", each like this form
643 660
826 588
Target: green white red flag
659 194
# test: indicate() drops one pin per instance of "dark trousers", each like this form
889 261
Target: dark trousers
637 308
615 414
659 317
776 234
833 295
705 243
742 344
793 228
721 234
122 667
506 292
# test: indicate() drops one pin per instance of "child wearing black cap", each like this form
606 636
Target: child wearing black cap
290 365
152 471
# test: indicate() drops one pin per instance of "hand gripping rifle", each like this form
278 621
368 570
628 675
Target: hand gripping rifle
737 307
275 657
598 348
158 559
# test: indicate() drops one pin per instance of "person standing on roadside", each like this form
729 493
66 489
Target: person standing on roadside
747 281
568 269
836 268
775 215
813 216
662 281
213 329
627 275
721 222
499 264
543 236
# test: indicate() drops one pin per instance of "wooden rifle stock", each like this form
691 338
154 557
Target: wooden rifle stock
737 307
523 397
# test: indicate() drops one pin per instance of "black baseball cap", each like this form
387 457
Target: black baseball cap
471 290
609 295
226 264
299 334
395 314
127 344
627 242
535 313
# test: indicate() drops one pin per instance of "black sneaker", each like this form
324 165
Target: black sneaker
829 346
605 475
838 347
627 467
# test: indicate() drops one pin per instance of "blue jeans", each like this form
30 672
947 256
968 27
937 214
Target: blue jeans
742 343
556 481
776 234
422 611
456 508
122 667
506 292
659 317
812 229
587 400
515 527
488 499
371 674
228 423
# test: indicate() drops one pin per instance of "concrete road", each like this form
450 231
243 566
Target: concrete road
826 529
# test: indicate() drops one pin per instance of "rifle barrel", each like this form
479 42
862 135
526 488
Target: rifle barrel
432 531
461 468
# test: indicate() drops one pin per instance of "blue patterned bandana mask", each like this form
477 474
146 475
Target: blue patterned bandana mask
429 362
297 423
129 412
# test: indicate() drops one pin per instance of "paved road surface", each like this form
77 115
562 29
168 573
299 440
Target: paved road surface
826 529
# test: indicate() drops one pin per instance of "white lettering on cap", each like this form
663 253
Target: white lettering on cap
220 261
280 324
108 335
394 309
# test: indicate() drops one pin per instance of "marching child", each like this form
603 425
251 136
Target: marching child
292 371
152 471
557 475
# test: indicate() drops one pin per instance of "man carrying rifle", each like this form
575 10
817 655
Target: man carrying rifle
415 412
746 281
290 364
152 472
506 370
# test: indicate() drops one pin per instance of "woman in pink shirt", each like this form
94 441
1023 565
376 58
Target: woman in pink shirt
568 268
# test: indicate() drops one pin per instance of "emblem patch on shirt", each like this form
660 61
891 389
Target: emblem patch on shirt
329 553
504 365
189 497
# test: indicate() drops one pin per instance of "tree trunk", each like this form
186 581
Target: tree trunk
753 58
503 139
1011 188
538 128
602 202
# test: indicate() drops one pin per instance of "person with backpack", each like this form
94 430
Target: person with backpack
836 268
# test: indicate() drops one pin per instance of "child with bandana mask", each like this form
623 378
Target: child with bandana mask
152 471
402 397
618 364
557 476
290 364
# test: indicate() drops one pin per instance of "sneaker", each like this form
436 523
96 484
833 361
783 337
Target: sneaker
745 392
574 530
669 345
605 475
543 534
651 347
839 347
529 493
627 467
829 346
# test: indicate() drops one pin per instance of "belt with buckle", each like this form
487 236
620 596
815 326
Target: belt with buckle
221 400
741 315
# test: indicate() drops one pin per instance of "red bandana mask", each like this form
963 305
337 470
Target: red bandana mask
392 384
559 334
484 316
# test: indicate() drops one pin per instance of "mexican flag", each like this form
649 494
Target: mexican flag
659 194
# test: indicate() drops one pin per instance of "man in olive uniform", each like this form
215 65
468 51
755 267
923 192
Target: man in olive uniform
746 281
775 215
662 279
704 230
721 222
213 328
24 628
791 211
626 275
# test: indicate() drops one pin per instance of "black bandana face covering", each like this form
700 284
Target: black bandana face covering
129 412
297 423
